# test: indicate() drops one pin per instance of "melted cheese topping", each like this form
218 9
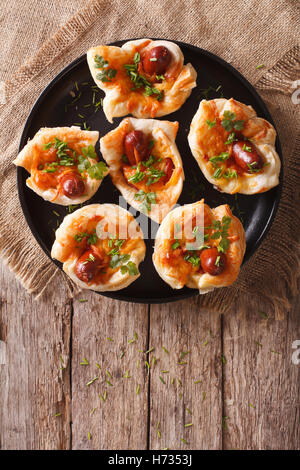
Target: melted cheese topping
103 225
42 157
207 141
163 134
177 227
122 97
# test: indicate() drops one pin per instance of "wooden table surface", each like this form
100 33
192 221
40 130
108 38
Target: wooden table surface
231 376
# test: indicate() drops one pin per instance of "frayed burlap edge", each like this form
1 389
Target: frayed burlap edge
283 74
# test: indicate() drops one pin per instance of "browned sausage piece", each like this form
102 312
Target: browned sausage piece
72 184
87 266
168 169
212 261
246 157
136 147
156 60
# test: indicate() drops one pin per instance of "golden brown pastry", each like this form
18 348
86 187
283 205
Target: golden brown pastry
234 148
199 247
144 78
100 246
63 164
144 164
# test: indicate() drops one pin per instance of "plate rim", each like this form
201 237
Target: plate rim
115 294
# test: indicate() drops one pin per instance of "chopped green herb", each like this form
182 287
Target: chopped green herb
264 315
140 81
147 199
175 245
217 173
229 174
162 380
211 124
231 138
84 362
106 74
92 381
229 122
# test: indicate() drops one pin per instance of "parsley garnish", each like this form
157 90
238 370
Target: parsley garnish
95 171
252 168
118 259
138 176
210 124
106 74
140 81
228 174
90 258
231 138
153 174
91 237
146 199
217 173
193 259
130 267
229 122
175 245
219 158
246 148
64 158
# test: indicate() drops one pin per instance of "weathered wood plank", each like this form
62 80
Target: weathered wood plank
182 327
261 384
34 335
120 422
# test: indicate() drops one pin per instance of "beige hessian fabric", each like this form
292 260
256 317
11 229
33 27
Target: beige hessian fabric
243 33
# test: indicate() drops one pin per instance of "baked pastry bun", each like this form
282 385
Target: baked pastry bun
100 246
144 164
144 78
63 164
199 247
234 148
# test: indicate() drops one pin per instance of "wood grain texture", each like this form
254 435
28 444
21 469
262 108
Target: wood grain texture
261 384
120 422
181 327
34 335
253 391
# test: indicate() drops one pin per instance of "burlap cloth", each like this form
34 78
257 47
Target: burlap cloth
243 33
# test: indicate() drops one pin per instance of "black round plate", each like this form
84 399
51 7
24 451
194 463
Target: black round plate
63 102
